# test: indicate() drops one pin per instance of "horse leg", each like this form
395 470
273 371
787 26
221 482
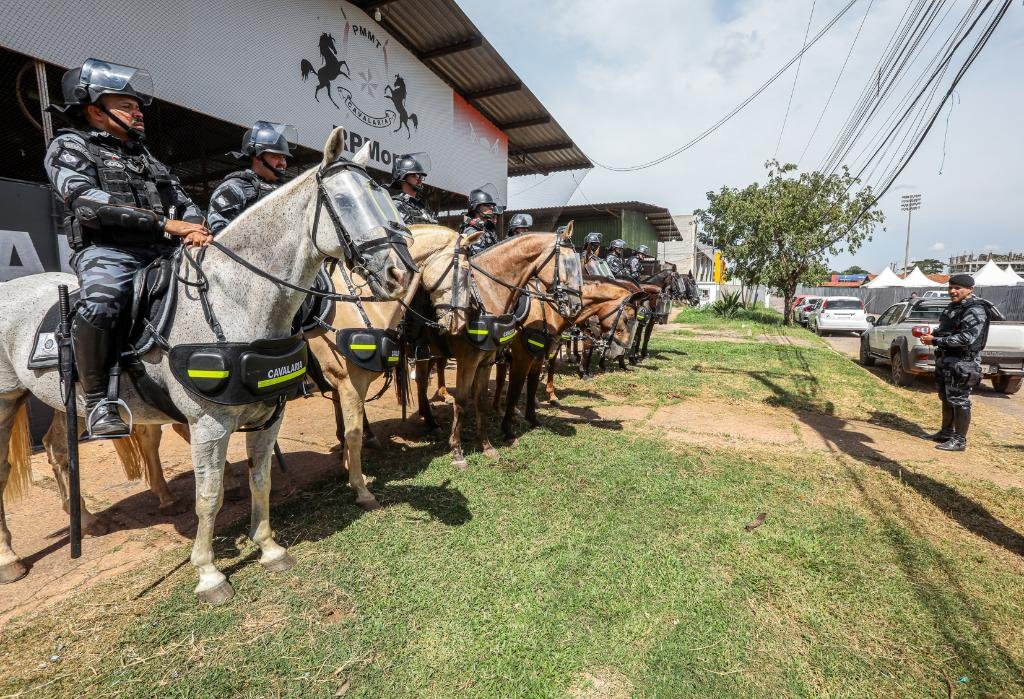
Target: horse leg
463 385
260 446
149 437
11 568
353 393
552 396
339 422
499 384
209 441
478 393
647 340
369 438
233 489
55 441
422 379
442 389
330 96
515 389
532 381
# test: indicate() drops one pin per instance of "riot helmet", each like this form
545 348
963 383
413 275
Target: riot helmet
486 194
267 137
617 245
410 164
642 250
85 85
593 239
524 221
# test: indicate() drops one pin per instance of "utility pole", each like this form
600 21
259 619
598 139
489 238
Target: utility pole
909 203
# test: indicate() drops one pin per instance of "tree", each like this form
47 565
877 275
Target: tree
929 266
855 269
781 233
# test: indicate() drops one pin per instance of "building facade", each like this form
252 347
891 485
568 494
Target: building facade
969 263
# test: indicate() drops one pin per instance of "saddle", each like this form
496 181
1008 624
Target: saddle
145 321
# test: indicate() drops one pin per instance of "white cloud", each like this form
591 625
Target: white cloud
937 247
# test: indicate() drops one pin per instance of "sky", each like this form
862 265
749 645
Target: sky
632 81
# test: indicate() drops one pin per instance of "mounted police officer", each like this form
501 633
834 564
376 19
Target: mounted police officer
591 247
125 210
635 263
480 212
520 223
958 341
407 175
266 147
615 260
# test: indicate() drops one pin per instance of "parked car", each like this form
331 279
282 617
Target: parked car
804 310
838 314
891 340
936 294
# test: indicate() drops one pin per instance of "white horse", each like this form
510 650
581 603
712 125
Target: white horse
332 211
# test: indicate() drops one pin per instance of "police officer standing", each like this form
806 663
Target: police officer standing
407 175
614 258
635 264
266 147
520 223
125 210
958 341
480 212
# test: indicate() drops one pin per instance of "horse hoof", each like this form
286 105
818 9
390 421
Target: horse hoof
15 570
534 422
235 494
369 505
217 595
175 507
460 464
555 403
98 527
280 564
492 453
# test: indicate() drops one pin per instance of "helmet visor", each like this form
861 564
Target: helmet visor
361 204
420 163
522 220
492 192
268 137
102 78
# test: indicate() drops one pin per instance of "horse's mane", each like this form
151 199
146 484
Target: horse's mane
506 241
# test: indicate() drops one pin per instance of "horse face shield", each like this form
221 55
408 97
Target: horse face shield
569 294
378 245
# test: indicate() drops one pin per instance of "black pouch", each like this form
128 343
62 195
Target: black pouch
488 332
536 342
967 374
371 349
77 239
239 373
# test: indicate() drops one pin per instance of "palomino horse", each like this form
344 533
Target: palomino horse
602 300
493 287
330 211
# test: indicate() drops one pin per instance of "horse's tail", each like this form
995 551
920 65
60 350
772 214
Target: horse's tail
402 381
19 454
306 68
129 451
414 120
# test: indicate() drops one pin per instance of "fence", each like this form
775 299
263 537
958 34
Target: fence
1009 299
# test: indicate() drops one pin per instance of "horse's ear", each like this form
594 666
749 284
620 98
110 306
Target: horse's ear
362 158
335 146
567 233
470 238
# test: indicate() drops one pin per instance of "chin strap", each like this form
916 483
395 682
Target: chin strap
281 174
134 133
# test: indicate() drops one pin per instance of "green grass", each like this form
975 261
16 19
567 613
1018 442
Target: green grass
588 551
758 320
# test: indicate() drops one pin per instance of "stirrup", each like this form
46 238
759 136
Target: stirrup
91 420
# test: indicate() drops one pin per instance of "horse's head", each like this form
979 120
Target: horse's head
367 233
443 259
399 82
619 325
327 45
561 272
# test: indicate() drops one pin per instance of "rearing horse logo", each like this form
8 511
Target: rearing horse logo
331 69
397 93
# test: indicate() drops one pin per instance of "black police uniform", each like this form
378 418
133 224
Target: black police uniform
959 339
236 193
412 209
634 268
489 235
616 264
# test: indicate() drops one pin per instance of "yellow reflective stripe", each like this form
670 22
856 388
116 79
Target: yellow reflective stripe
281 379
392 359
535 343
208 373
474 331
506 339
363 347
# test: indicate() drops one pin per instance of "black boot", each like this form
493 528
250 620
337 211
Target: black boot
93 349
961 423
946 432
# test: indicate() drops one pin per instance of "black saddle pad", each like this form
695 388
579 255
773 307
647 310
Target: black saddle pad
315 309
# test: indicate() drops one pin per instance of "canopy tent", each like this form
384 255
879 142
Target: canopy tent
885 278
1013 276
918 278
992 275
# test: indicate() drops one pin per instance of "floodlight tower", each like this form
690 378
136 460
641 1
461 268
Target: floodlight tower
909 203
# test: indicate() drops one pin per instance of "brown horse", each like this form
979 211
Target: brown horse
602 299
497 277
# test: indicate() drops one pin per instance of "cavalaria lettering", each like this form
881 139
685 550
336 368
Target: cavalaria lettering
284 370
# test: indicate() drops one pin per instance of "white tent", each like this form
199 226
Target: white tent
992 275
1013 276
918 278
884 279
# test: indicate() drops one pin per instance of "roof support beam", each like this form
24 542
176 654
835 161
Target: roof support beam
369 6
492 91
523 123
563 145
464 45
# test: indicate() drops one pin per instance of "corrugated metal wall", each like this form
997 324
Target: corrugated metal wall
637 230
1009 299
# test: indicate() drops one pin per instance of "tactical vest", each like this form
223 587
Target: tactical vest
412 209
257 189
956 321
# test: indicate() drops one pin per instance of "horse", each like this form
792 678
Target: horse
673 286
282 241
602 299
397 94
330 70
496 279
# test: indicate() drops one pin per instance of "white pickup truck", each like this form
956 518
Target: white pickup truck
891 340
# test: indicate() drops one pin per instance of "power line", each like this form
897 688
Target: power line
796 76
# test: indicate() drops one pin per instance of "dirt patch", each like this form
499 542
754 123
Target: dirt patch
601 683
730 423
722 335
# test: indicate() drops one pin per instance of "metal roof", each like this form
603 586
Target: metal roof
659 216
440 35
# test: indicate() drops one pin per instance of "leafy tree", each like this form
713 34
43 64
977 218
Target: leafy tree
781 233
929 266
855 269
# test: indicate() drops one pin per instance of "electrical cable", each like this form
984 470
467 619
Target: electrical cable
796 76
